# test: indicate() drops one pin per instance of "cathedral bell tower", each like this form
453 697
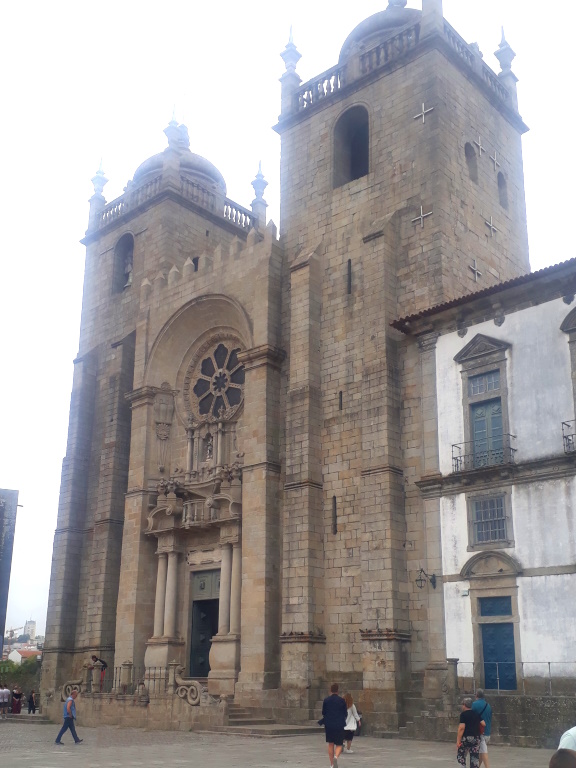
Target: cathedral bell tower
401 188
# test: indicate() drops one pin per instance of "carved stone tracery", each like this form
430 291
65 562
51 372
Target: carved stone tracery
214 383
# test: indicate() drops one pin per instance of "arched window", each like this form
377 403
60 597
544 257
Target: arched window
123 263
471 162
502 190
351 146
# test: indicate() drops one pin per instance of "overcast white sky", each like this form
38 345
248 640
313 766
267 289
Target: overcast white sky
85 80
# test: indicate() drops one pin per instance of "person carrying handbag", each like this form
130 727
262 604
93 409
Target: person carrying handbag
352 720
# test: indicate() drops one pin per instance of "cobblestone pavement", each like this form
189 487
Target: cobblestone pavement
32 746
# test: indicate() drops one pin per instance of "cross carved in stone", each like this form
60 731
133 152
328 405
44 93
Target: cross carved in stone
495 160
479 145
423 113
475 271
491 227
421 217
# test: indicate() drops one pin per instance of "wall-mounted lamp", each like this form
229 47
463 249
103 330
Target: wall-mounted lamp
421 579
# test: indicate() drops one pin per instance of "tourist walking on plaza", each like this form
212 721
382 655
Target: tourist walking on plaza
4 700
352 720
69 718
334 719
468 738
485 711
32 702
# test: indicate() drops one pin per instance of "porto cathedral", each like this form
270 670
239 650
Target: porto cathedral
244 516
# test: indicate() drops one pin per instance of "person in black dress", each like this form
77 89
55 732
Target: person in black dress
334 714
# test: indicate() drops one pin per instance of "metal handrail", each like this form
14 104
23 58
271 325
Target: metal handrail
471 455
533 678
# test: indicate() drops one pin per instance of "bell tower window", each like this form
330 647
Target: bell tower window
123 263
351 146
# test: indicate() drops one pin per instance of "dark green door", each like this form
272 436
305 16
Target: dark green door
205 594
204 626
487 433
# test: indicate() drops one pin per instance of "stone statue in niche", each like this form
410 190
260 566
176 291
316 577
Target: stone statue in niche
209 444
128 268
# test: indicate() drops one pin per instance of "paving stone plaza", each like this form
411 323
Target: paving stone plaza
109 747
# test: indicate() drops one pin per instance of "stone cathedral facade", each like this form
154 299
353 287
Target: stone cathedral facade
247 432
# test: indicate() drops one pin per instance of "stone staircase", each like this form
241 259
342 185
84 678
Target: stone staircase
25 719
244 721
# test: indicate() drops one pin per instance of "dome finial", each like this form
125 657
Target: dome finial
290 54
259 183
99 180
505 54
259 205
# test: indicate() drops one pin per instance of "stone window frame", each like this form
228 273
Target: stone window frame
482 355
337 175
119 280
500 581
492 493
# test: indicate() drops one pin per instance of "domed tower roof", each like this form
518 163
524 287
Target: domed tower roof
378 27
191 165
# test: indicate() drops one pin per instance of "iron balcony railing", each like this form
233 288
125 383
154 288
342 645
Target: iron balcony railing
477 454
520 678
569 436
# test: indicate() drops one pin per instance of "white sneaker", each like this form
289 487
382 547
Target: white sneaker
350 751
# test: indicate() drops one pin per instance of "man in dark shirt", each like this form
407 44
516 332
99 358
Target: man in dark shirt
468 738
485 711
103 669
334 714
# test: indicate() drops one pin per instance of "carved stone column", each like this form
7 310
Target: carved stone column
171 595
236 589
225 650
225 579
165 645
160 603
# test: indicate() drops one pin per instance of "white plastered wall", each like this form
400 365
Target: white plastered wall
539 381
544 512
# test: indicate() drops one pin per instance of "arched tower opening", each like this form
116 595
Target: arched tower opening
123 263
351 146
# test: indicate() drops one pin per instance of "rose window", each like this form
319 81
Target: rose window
220 381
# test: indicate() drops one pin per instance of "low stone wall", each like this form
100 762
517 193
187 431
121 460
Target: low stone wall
520 721
164 712
531 721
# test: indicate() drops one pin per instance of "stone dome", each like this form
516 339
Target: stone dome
378 27
191 164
